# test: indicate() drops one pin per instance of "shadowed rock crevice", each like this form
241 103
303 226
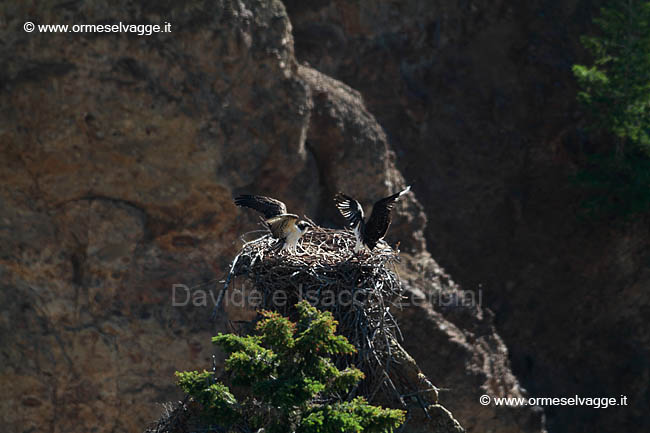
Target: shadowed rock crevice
478 100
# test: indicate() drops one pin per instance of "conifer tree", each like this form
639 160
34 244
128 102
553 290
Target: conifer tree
286 381
616 87
615 92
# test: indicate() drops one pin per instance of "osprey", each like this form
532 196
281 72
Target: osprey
369 232
284 226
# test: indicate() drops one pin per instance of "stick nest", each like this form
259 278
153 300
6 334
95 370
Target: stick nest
357 288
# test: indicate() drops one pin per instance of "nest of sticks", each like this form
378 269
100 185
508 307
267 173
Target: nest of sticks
358 289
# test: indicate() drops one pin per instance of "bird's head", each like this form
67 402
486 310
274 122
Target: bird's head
303 226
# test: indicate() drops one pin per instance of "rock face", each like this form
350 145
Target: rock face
120 155
478 101
453 326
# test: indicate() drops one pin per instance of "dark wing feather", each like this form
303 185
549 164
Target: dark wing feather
349 208
267 206
380 219
280 225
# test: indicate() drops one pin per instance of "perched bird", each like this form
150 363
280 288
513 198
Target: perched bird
284 226
369 232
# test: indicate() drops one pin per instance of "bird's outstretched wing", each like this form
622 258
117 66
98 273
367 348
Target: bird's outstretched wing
267 206
280 225
380 218
349 208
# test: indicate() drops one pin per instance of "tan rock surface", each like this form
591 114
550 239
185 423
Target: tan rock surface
120 154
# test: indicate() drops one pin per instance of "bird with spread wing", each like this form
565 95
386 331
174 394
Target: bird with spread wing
369 232
284 226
